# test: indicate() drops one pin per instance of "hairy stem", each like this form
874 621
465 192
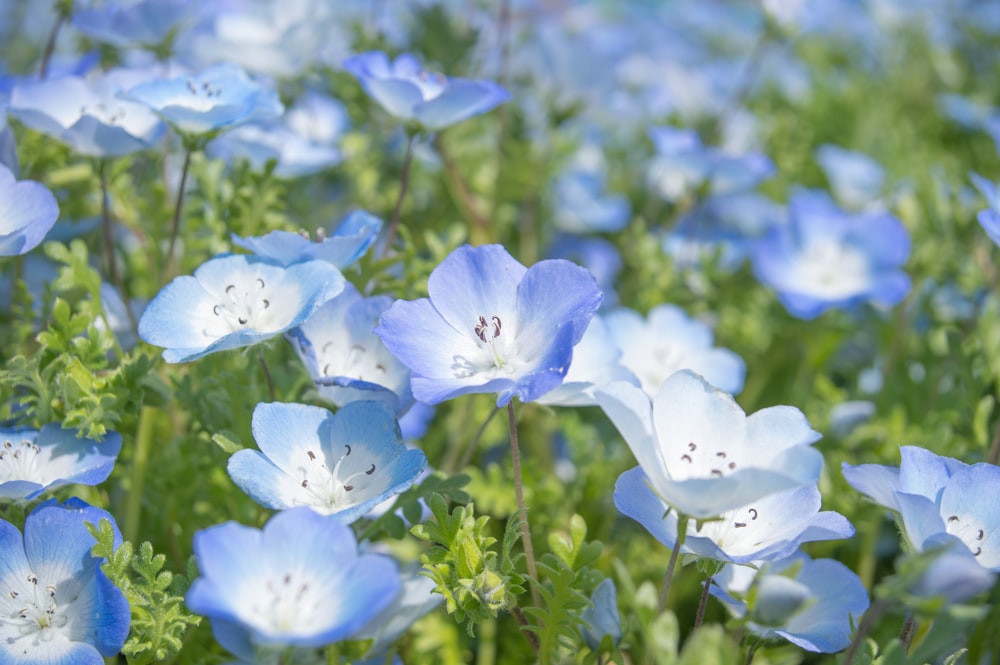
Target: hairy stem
529 550
523 621
873 614
178 205
682 522
267 374
703 602
906 634
404 183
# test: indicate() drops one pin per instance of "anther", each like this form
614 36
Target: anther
692 447
305 483
739 525
953 518
753 513
686 458
980 535
32 578
311 454
370 471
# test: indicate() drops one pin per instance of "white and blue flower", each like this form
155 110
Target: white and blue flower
346 244
28 210
36 461
341 464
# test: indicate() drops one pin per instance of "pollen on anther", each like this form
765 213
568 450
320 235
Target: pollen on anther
953 518
311 454
370 471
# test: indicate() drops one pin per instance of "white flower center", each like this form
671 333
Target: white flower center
32 614
737 532
833 269
289 603
333 489
19 461
969 532
495 351
360 362
702 462
243 306
108 115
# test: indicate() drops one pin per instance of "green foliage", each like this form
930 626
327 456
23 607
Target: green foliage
477 582
155 596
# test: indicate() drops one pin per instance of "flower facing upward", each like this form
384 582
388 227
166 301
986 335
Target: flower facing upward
491 325
407 91
57 607
701 453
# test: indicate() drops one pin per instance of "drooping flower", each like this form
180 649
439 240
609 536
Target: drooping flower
299 582
814 604
431 100
345 359
669 340
87 114
57 605
769 528
235 301
35 461
825 258
346 244
204 104
27 212
941 501
702 454
341 464
491 325
601 620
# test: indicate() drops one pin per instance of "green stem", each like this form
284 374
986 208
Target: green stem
486 651
523 622
873 614
529 549
179 204
50 46
140 460
404 183
449 465
906 634
108 246
682 522
703 602
267 375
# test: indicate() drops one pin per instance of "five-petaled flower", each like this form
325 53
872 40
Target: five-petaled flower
491 325
27 212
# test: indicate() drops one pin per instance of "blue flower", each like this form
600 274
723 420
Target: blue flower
27 212
581 204
219 98
814 604
87 114
57 605
8 147
35 461
989 219
299 582
855 178
669 340
826 258
769 528
701 453
234 301
491 325
348 242
941 501
431 100
341 464
601 620
344 357
131 23
415 599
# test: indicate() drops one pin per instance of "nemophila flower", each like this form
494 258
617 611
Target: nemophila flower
212 101
298 582
491 325
234 301
771 527
855 178
814 604
8 147
668 340
825 258
130 22
989 219
596 362
341 464
431 100
346 244
87 114
345 359
27 212
601 619
597 255
416 598
35 461
702 454
941 501
581 204
57 605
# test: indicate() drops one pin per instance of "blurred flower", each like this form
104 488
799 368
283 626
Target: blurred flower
349 241
234 301
596 362
416 598
769 528
27 212
431 100
204 104
36 461
87 114
299 582
601 619
702 455
846 416
57 605
581 204
989 219
491 325
345 359
597 255
341 464
826 258
814 604
940 500
8 147
668 340
124 23
855 178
